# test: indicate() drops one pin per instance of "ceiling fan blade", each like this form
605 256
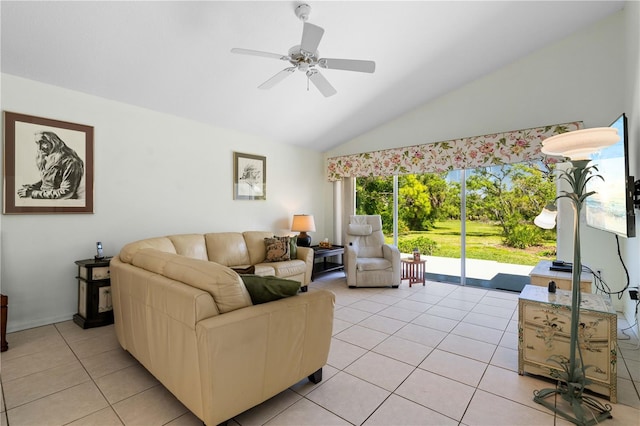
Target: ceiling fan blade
347 64
311 36
321 83
260 53
277 78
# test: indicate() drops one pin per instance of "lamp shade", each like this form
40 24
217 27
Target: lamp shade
579 144
303 223
547 217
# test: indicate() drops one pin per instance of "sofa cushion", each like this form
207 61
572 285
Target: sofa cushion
190 245
269 288
285 269
277 249
152 260
227 248
224 285
161 243
256 246
263 269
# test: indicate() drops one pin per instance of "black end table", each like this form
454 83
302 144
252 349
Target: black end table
325 253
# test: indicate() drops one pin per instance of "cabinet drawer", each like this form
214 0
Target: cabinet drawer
541 343
98 273
550 321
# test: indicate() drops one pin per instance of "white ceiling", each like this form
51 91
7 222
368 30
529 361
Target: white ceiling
174 57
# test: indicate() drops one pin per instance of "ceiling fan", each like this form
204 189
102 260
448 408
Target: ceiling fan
305 57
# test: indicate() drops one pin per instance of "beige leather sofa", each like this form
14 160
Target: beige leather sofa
189 320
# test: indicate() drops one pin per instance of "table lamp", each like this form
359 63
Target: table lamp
303 223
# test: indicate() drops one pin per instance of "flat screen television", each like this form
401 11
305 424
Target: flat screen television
611 207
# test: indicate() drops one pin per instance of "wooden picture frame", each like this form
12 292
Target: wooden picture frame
249 177
48 166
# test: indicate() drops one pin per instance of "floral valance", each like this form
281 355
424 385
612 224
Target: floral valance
466 153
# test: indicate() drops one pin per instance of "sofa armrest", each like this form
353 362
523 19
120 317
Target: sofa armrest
264 349
306 254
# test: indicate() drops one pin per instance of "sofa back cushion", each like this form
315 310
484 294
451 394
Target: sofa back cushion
225 286
190 245
163 244
256 245
227 248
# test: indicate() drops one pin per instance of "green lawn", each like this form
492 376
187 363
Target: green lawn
484 241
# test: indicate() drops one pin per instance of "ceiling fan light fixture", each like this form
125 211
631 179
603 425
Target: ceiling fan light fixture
303 11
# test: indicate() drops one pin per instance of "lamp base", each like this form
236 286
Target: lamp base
594 414
304 239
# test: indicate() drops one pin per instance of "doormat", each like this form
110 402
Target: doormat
505 282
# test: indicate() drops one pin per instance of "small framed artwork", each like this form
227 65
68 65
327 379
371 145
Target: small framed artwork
48 165
249 177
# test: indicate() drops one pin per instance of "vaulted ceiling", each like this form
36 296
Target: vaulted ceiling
174 57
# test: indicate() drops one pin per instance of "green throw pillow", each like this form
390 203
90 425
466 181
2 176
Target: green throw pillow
269 288
293 247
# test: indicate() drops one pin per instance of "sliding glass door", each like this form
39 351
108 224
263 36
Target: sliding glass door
474 226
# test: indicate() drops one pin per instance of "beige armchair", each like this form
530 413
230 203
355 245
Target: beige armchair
369 261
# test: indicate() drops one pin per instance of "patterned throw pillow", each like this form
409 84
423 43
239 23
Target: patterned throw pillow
277 249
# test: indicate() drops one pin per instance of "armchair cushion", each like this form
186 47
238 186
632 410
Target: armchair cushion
267 289
359 229
373 264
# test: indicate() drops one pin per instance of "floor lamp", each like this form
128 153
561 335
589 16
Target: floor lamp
576 146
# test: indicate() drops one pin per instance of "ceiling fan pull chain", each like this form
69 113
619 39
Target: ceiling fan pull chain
307 82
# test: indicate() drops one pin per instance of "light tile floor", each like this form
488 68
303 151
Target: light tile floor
441 354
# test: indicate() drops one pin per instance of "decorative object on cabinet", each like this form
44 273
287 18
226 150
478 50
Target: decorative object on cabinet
303 223
65 185
95 307
544 320
249 177
577 146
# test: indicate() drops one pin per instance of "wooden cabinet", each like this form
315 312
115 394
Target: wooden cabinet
542 274
544 326
94 293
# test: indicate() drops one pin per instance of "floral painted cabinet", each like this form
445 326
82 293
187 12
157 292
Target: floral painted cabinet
544 330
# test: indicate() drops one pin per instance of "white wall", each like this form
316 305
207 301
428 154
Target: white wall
155 175
582 77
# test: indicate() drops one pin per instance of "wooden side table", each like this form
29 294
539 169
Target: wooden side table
94 293
326 266
413 270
